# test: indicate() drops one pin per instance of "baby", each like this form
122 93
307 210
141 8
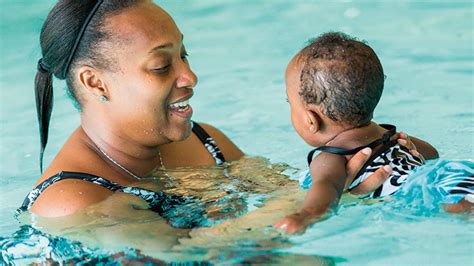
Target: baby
333 86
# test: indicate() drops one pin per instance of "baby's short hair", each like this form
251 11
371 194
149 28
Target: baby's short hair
343 75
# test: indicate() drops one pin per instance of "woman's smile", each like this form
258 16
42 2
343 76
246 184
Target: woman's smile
181 107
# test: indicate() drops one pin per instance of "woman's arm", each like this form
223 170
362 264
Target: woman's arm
67 197
119 222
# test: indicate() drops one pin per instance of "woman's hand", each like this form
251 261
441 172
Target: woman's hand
404 140
376 179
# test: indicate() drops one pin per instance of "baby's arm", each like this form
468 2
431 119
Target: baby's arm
328 172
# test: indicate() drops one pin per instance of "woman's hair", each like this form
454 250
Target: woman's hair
73 34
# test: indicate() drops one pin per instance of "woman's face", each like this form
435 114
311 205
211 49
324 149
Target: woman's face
149 88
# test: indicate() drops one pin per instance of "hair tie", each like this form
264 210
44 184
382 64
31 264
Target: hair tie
43 67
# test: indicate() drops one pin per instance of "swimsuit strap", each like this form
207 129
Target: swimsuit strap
158 201
385 140
209 143
154 199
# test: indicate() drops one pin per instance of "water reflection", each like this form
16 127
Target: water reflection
234 207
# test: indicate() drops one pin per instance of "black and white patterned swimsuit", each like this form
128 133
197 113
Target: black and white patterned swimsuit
158 201
398 157
403 163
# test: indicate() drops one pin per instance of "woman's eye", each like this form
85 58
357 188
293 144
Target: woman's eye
287 100
161 69
184 56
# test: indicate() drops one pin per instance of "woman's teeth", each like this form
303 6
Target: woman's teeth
180 106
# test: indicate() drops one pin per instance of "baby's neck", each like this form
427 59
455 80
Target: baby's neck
350 138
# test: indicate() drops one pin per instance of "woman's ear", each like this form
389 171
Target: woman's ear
91 81
313 119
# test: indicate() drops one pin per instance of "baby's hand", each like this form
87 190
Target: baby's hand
294 223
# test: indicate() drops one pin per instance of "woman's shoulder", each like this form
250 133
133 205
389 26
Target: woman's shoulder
75 156
229 149
191 151
65 195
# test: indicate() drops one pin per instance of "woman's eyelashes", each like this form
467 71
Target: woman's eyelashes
163 69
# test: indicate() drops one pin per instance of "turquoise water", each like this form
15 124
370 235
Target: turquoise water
239 50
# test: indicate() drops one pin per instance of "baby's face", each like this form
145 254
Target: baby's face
297 106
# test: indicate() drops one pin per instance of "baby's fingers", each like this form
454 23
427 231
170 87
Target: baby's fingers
372 182
288 226
282 224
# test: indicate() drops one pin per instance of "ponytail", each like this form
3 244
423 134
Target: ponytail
44 103
71 33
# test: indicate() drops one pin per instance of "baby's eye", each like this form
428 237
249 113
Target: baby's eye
184 55
286 99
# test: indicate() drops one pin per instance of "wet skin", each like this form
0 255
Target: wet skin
150 72
137 124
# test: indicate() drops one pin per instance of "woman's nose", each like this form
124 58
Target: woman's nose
187 78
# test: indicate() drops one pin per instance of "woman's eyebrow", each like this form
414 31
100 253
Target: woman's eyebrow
167 45
161 47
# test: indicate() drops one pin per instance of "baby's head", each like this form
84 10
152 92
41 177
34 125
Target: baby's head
335 81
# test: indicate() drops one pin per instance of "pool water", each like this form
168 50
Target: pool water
239 50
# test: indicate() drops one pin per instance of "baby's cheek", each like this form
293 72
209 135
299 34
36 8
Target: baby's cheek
297 125
294 120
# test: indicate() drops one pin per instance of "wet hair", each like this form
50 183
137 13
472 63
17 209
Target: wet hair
72 35
342 75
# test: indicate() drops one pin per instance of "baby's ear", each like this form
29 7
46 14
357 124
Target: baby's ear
313 119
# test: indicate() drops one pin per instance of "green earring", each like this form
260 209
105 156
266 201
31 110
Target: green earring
102 99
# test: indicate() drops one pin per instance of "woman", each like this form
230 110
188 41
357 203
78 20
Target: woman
125 65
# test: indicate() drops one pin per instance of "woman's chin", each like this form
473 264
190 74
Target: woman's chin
187 132
182 131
